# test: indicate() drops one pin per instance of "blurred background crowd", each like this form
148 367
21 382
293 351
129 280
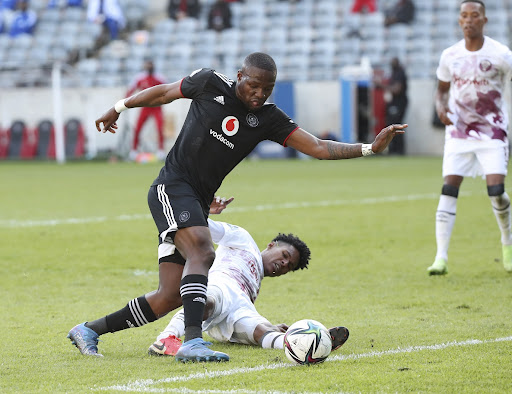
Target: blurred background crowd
107 44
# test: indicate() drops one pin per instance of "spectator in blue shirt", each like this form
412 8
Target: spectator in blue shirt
24 20
107 13
7 8
9 4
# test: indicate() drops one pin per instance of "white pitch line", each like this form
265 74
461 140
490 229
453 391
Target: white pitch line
257 208
55 222
144 385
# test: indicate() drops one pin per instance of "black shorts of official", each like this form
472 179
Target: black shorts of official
174 207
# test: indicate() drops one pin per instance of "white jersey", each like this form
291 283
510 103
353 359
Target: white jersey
478 80
234 282
237 258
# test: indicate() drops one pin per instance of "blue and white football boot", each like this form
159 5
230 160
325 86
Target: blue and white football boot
197 350
85 339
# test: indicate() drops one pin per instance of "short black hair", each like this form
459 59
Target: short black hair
261 60
297 243
474 1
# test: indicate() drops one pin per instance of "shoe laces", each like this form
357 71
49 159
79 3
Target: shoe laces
201 343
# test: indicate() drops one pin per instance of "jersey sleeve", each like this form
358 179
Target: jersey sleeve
443 71
283 126
216 230
229 235
193 85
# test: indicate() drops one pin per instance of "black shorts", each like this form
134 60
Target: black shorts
174 207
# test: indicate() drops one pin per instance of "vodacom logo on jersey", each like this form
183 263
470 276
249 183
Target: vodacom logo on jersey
230 125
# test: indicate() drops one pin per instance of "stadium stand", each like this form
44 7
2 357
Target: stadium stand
308 38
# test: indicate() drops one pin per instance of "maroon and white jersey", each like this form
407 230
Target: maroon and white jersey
478 80
143 81
237 258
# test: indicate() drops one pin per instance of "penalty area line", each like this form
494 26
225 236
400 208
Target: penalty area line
145 385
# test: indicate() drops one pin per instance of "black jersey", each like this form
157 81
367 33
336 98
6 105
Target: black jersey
218 133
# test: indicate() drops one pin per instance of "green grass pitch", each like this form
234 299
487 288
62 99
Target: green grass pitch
77 242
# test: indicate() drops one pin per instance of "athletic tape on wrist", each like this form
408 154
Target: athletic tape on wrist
366 149
120 106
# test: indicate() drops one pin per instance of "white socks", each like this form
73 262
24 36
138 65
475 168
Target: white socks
175 327
501 208
273 340
445 219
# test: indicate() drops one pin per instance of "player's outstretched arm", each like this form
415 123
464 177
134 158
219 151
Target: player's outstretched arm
331 150
385 136
151 97
269 336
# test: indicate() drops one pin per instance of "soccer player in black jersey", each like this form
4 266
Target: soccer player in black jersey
226 120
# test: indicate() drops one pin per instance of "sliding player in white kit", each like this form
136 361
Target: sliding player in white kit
470 101
234 281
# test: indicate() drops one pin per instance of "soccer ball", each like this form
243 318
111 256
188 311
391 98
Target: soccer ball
307 342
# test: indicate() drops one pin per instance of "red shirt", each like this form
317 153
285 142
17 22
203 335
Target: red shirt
143 81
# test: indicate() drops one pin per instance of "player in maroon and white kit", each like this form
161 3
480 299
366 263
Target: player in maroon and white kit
470 101
144 80
234 282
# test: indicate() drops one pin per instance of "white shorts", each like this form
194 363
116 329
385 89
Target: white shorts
475 158
235 317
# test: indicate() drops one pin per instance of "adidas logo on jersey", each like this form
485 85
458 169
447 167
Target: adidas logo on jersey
219 99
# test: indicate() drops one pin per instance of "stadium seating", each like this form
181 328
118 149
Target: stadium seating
45 146
21 141
281 28
74 139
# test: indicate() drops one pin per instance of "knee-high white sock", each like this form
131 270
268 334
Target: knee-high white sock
175 327
445 219
501 208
